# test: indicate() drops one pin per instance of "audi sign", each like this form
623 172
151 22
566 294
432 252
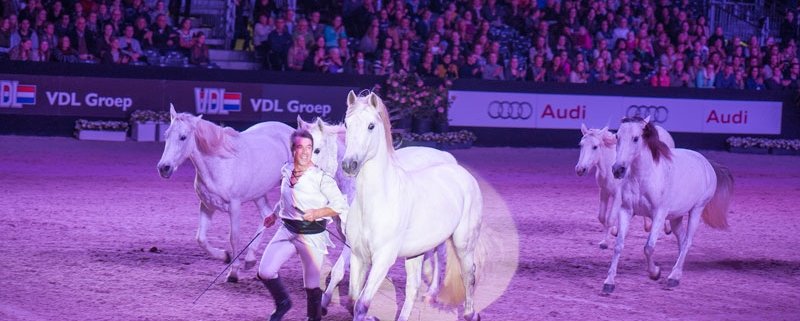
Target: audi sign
658 114
510 110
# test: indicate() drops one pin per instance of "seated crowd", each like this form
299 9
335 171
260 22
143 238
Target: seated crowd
89 31
658 43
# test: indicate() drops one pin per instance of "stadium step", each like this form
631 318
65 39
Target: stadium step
230 55
238 65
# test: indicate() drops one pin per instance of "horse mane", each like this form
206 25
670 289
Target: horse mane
650 135
606 138
215 140
383 113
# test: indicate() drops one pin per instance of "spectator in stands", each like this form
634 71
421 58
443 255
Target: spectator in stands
369 43
24 31
599 73
706 76
754 81
303 30
618 76
788 29
537 72
43 54
662 78
104 39
130 46
137 9
446 69
23 51
792 81
261 32
775 82
492 70
64 52
142 33
290 18
315 26
773 65
344 49
334 32
161 9
5 38
317 61
579 75
471 68
265 7
83 40
726 79
334 64
164 37
639 78
297 54
114 55
185 37
200 54
39 21
515 70
279 42
358 66
92 24
385 65
404 63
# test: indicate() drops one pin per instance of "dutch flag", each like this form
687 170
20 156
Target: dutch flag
232 102
26 94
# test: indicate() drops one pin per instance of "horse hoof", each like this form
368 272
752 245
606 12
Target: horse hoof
429 299
324 311
614 231
232 279
472 317
248 264
671 283
228 257
603 246
657 275
608 288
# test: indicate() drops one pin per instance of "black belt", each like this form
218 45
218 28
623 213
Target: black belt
304 227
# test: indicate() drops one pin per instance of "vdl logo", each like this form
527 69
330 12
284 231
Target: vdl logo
14 95
216 101
658 114
510 110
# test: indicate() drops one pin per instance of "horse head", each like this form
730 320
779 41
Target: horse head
635 135
368 131
326 143
180 141
593 142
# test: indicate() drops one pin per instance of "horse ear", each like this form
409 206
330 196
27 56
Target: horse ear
172 112
320 124
584 130
351 98
604 129
647 120
374 100
300 122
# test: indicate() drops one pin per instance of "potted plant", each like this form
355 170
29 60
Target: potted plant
412 103
163 124
749 145
143 125
107 130
458 140
786 147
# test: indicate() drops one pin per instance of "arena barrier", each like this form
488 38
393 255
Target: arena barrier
47 98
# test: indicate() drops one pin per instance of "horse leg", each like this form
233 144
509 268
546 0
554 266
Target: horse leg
677 271
235 211
381 262
413 280
604 219
648 224
201 236
337 274
433 288
264 210
624 221
465 250
658 218
667 229
358 275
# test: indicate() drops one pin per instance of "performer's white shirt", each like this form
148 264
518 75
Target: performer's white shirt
315 189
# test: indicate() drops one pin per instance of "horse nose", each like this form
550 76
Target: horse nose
165 171
580 170
349 166
618 170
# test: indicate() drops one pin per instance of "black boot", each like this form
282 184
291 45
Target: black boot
314 304
281 297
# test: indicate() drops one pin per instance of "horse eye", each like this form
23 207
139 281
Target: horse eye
371 126
594 147
636 139
183 137
316 151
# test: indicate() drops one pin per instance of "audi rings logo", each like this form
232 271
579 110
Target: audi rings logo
658 114
510 110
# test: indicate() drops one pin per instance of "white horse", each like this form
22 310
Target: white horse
231 168
598 151
329 147
665 184
402 213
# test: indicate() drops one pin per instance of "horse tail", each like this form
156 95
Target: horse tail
715 214
453 291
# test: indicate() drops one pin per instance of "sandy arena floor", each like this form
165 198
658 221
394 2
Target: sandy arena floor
79 218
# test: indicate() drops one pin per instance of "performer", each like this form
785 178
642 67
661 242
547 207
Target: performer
309 198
